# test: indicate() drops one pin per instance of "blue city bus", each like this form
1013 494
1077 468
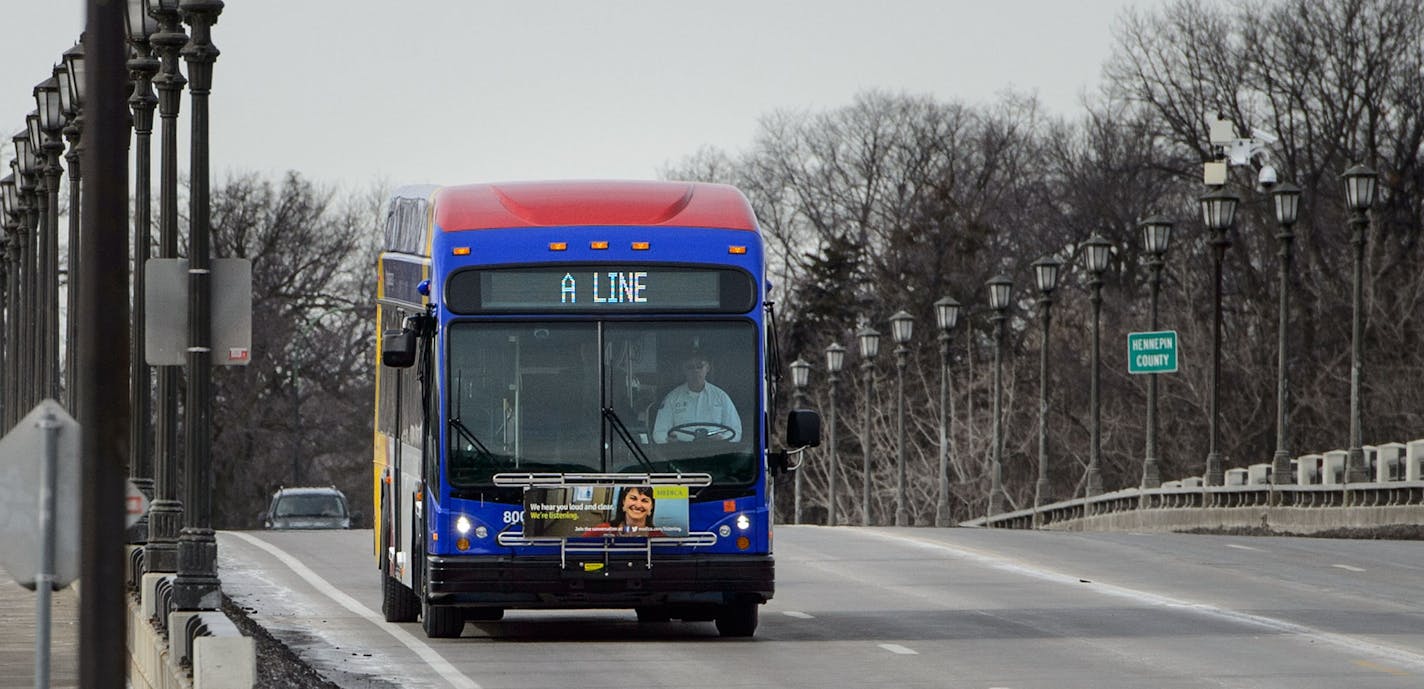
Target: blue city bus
575 404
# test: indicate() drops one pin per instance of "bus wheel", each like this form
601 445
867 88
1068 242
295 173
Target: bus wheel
737 619
398 602
653 613
441 621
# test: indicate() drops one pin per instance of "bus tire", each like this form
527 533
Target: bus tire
653 613
737 619
398 602
441 621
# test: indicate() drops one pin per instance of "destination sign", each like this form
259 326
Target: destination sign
600 288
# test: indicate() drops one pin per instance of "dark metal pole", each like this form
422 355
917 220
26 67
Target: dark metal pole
197 586
1355 458
143 66
902 507
73 130
44 272
166 513
996 469
1215 472
12 322
798 401
867 370
103 349
1095 453
1041 488
1280 462
1151 473
53 147
834 464
946 417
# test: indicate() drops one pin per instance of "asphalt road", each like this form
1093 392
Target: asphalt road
972 608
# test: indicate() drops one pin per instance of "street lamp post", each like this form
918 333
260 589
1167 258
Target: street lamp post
1287 202
1156 237
9 209
1098 251
1218 213
44 260
835 360
140 26
1045 274
946 316
800 376
26 165
51 121
71 96
869 346
1000 287
902 325
166 513
197 587
1359 195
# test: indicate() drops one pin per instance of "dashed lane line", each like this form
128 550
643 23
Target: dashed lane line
456 678
1349 568
899 650
798 615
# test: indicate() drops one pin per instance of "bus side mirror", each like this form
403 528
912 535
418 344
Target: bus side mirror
803 428
398 348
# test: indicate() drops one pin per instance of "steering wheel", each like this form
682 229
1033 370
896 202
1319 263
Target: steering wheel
703 430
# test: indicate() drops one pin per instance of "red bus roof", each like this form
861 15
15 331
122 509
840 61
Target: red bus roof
546 204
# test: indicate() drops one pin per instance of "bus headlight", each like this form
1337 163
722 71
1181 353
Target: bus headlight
743 522
462 525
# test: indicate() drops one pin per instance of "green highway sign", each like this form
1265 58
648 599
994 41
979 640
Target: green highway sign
1154 352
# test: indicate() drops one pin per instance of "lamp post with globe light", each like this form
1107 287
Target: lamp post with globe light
1045 274
835 361
902 326
946 317
869 339
1098 251
1359 196
1000 288
1156 237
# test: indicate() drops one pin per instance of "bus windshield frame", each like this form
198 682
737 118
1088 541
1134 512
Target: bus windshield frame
602 395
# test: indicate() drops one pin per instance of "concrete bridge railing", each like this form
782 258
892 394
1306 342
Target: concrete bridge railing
1318 500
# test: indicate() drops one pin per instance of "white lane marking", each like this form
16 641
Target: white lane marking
1242 547
798 615
1348 568
898 649
1350 644
426 653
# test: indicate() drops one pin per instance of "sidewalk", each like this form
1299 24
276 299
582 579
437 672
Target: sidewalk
17 637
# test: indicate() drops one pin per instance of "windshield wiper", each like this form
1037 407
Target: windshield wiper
469 435
622 432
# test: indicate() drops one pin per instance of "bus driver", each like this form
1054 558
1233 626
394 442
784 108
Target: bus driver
697 409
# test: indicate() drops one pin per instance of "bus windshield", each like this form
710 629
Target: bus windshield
604 397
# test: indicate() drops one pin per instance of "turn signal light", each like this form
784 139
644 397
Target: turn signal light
743 543
461 251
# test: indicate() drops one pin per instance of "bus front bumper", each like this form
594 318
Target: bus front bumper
539 582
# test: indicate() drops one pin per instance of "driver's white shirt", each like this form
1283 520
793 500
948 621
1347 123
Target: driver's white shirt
681 406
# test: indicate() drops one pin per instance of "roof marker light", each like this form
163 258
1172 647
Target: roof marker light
461 251
736 249
640 246
598 245
558 246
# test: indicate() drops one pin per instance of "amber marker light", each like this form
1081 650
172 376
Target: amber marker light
743 543
461 251
640 246
735 249
558 246
598 245
462 543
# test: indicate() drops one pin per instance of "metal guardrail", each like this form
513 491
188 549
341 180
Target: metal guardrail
1059 514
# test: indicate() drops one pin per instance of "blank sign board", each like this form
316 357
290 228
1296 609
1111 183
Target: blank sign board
165 302
22 452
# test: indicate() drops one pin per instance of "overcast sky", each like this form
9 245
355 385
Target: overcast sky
352 92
